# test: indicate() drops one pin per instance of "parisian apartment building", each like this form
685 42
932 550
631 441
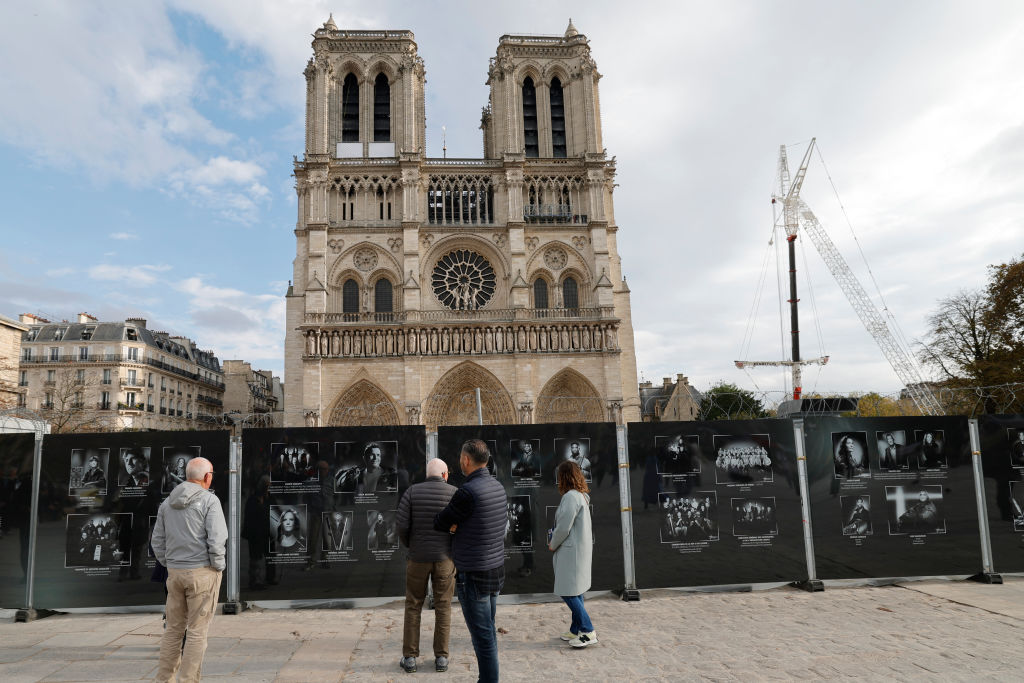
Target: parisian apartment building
418 281
91 375
252 397
11 333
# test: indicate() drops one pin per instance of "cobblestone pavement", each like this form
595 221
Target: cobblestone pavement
932 630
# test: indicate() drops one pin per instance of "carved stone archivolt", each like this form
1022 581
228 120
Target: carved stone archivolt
569 397
453 400
555 258
365 259
363 404
384 341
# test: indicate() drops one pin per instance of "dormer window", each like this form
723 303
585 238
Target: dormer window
87 333
131 334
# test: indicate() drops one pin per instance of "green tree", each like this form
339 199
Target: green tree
726 401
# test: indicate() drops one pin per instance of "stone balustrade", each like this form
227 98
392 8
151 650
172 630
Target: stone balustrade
379 341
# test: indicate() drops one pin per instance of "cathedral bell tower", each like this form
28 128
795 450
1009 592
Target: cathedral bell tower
419 280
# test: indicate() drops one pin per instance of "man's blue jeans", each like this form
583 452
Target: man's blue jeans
478 610
580 618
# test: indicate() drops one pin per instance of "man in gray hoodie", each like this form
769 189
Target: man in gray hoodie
189 539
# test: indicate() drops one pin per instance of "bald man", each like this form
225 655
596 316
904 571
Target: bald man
430 557
189 539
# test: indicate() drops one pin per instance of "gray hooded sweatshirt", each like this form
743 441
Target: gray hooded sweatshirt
190 531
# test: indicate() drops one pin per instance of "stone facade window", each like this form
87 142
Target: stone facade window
383 295
350 109
381 109
350 296
463 280
540 293
570 293
531 139
557 119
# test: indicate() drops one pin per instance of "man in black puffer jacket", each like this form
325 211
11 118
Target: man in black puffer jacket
476 517
430 556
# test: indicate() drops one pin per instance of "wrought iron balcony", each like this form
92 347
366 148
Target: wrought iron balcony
129 382
131 406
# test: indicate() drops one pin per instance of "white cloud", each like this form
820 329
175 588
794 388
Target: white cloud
123 236
138 275
59 272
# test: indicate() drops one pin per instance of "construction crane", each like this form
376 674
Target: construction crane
791 220
797 214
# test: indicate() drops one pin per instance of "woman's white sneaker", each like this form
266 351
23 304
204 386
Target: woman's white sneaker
584 639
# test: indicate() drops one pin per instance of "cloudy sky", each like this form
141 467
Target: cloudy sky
145 150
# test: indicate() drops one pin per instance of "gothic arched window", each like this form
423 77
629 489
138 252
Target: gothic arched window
350 296
381 109
383 296
540 293
557 119
532 147
350 109
570 293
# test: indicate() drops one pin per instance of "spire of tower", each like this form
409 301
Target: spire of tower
329 24
570 30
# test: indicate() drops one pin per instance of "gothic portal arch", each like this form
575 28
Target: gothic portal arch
569 397
363 404
453 400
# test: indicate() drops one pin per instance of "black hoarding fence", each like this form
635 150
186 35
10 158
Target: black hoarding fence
318 504
99 494
311 511
524 459
715 503
1001 440
892 497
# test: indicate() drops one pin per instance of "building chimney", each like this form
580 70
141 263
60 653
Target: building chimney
666 382
86 318
140 322
682 379
29 319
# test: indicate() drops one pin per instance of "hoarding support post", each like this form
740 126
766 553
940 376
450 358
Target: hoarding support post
987 574
629 591
812 584
30 613
233 604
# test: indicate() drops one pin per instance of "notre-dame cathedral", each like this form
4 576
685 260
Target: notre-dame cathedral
418 280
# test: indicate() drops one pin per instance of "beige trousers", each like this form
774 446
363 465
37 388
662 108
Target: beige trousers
442 575
191 602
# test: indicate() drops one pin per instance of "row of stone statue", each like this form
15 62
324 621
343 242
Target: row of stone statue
433 341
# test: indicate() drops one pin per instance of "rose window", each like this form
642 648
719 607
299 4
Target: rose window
463 280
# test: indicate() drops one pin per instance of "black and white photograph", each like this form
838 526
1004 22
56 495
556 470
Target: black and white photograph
89 471
288 529
577 450
893 455
294 463
690 517
850 455
176 459
743 459
677 455
383 532
1017 504
99 540
915 510
519 524
931 454
856 515
366 467
336 531
754 517
1015 438
134 471
525 458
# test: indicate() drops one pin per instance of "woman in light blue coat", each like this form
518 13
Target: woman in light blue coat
572 541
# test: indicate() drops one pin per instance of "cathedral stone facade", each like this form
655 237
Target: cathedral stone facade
419 280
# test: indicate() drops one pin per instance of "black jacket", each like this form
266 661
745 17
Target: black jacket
415 523
480 509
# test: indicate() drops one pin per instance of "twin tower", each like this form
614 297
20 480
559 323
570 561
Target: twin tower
419 280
